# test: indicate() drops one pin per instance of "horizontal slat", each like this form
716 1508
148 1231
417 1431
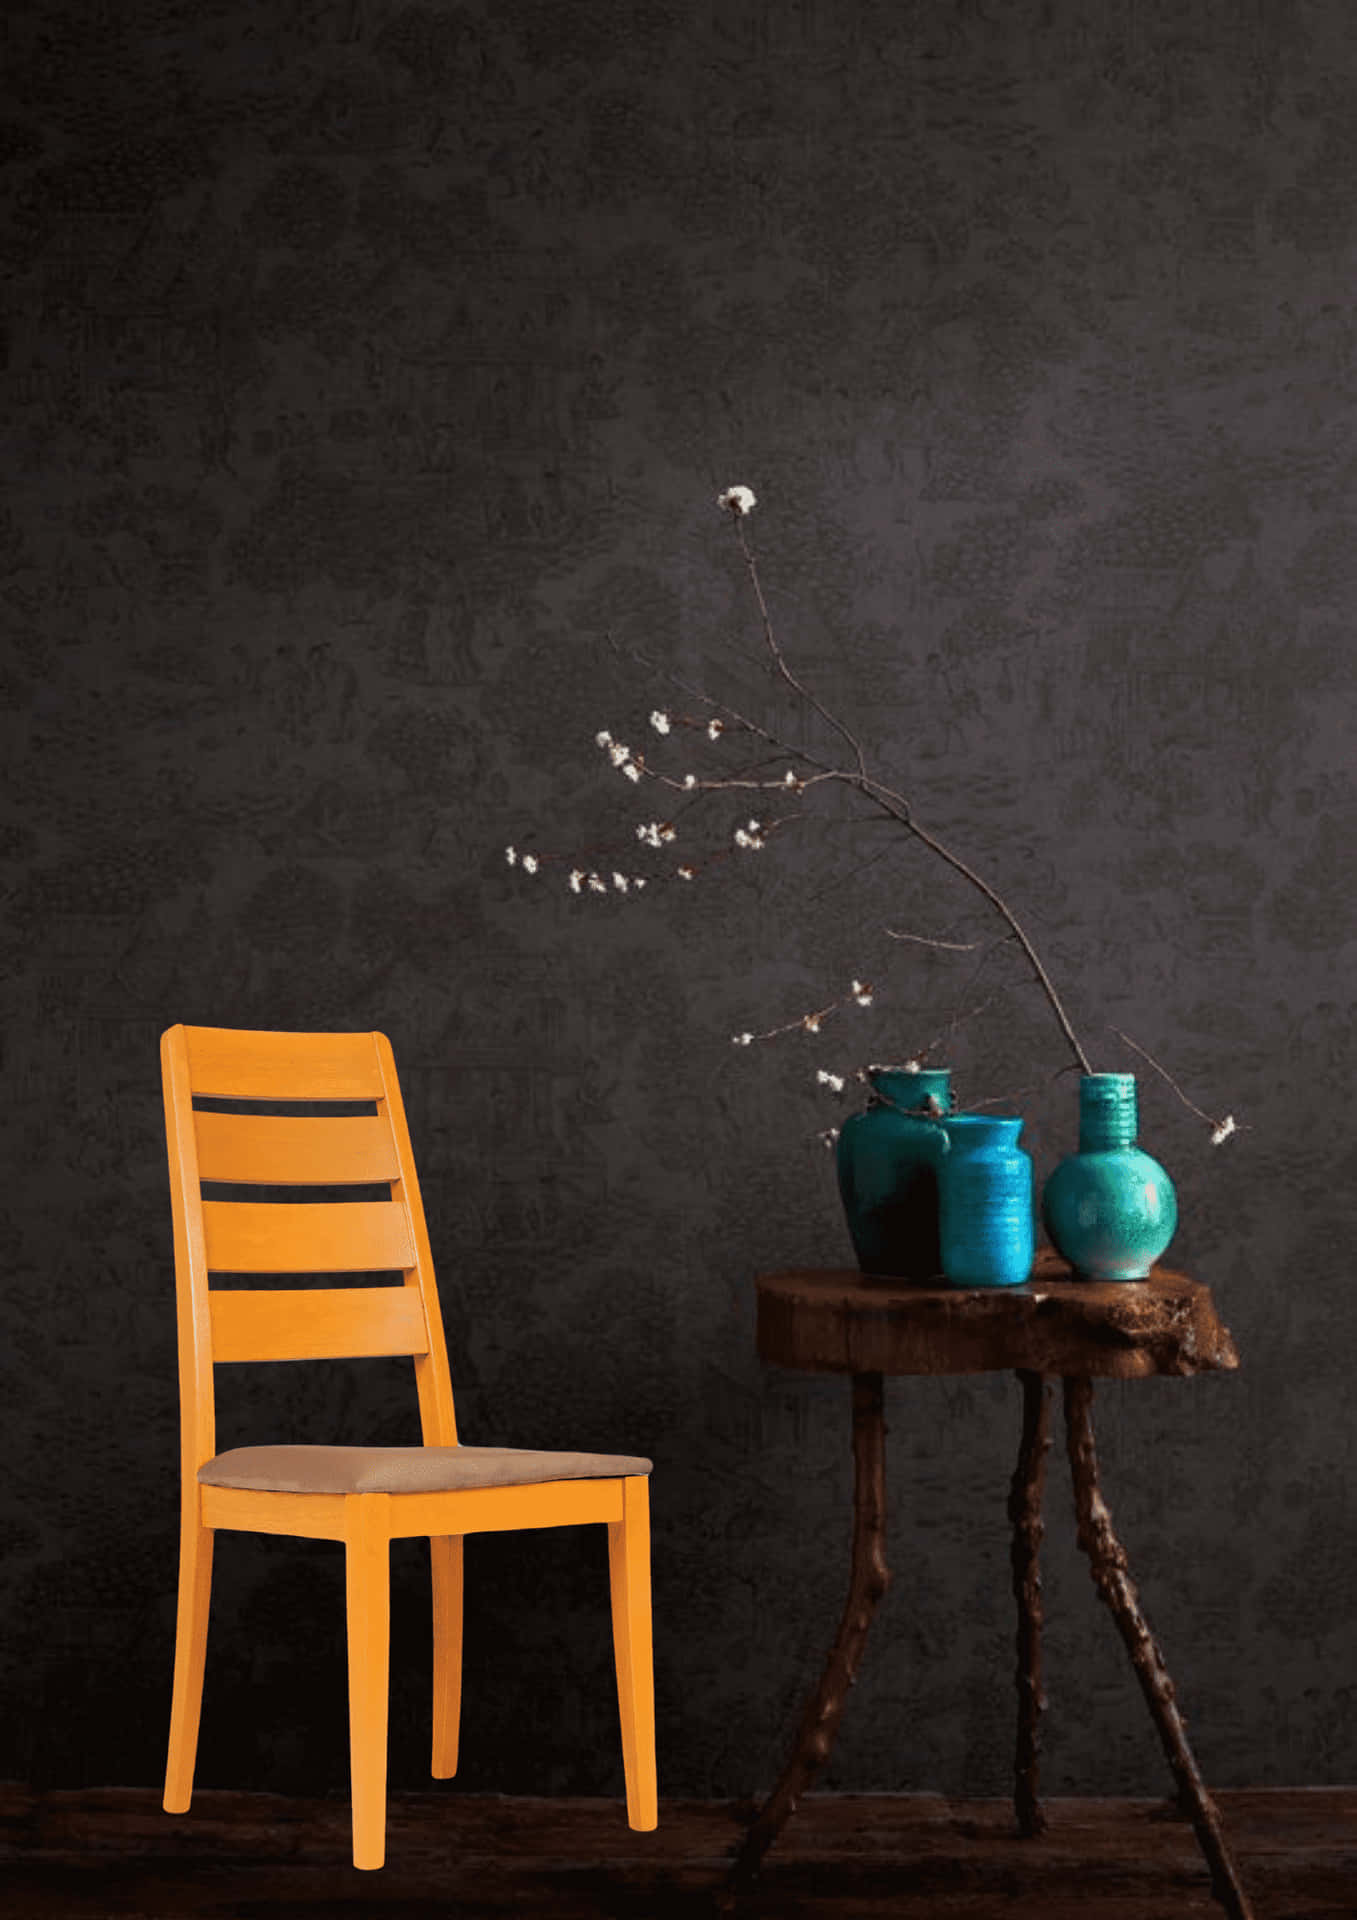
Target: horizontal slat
271 1149
235 1064
320 1323
555 1503
305 1516
251 1236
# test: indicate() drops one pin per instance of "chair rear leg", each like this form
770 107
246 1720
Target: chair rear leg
190 1653
629 1580
367 1568
445 1564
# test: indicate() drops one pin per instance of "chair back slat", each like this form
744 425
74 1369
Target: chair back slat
283 1066
284 1150
320 1323
360 1236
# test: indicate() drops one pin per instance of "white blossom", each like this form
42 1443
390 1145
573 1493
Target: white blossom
741 1039
690 779
715 728
659 719
737 500
621 882
829 1136
862 993
638 880
597 884
686 873
511 856
617 753
834 1081
811 1023
789 779
576 879
632 771
603 739
1222 1133
530 863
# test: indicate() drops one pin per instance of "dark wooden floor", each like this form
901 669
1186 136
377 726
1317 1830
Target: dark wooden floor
91 1855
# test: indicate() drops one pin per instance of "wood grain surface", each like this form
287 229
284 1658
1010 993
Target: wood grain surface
840 1321
87 1855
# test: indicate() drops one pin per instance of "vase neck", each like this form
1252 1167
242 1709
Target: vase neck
924 1090
1107 1112
967 1131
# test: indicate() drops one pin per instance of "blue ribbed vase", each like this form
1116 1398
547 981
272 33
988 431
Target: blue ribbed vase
1109 1209
888 1172
986 1227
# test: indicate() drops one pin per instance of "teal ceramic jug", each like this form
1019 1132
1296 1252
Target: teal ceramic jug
985 1216
1109 1209
888 1180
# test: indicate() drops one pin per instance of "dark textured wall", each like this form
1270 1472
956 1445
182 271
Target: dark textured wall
364 366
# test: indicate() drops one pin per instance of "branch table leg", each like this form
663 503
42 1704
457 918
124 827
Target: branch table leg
1111 1574
868 1581
1024 1513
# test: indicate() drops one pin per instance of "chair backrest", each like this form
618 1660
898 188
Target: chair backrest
240 1236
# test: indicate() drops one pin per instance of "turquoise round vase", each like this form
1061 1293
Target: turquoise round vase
888 1160
985 1216
1109 1209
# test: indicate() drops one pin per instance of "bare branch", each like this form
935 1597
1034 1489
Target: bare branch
1220 1129
805 770
899 809
922 940
1033 1086
779 660
859 994
958 1019
896 805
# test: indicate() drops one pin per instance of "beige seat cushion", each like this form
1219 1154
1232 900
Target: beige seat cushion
405 1469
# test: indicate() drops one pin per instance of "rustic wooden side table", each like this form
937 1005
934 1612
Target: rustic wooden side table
842 1322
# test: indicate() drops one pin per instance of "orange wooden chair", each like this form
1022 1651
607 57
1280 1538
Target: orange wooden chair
364 1496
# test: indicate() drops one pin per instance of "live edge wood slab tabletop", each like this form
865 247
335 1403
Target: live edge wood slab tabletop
842 1321
837 1320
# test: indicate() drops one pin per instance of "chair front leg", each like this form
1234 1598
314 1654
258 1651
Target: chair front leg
445 1566
367 1565
190 1653
629 1580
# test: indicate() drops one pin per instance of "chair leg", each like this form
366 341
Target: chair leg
367 1566
445 1564
190 1653
629 1579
